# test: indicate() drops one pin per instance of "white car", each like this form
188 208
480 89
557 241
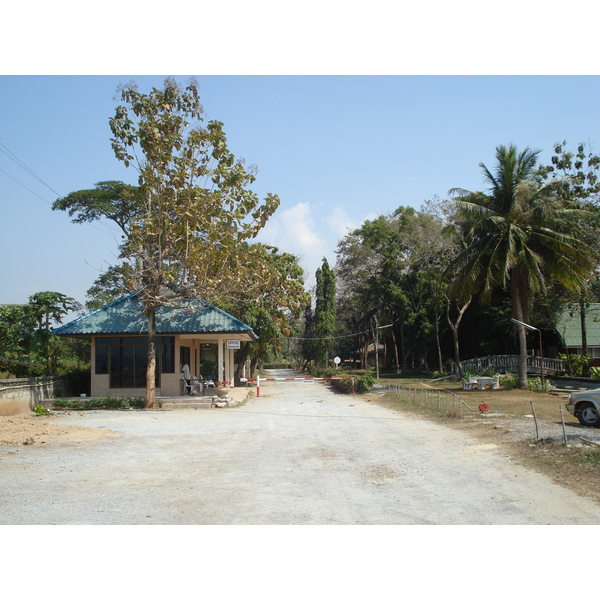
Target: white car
586 407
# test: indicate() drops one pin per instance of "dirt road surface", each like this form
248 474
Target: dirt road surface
299 454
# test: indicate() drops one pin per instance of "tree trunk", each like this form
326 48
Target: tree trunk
437 341
518 315
151 369
454 326
583 325
402 348
396 352
461 373
242 357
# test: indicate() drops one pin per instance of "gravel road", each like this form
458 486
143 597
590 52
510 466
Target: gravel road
299 454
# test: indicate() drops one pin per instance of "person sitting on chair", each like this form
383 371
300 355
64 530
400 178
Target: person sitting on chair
188 378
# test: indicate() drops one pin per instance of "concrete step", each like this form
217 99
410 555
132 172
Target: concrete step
186 402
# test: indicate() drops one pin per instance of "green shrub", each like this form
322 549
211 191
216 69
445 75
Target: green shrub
439 374
362 384
40 410
579 366
106 402
282 364
62 403
509 382
321 371
534 384
488 371
343 385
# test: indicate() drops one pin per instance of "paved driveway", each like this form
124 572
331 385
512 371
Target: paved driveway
299 454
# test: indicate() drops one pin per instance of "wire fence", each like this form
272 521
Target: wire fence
446 402
442 401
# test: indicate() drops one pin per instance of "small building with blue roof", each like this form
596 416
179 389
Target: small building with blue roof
189 330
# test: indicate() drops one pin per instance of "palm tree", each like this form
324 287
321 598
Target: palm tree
520 235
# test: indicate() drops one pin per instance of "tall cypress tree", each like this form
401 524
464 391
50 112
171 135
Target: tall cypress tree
325 313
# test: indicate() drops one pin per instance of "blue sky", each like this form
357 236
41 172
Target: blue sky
336 149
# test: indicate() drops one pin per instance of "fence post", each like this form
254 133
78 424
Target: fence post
537 433
562 417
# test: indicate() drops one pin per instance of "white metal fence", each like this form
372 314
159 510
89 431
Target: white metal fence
508 363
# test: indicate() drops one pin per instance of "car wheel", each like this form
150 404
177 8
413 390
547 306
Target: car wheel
588 414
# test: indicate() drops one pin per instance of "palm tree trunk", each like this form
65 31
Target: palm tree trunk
518 315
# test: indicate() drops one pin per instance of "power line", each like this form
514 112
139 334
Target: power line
19 162
336 337
22 184
101 226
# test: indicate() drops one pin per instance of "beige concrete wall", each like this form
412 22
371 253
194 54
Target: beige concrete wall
20 396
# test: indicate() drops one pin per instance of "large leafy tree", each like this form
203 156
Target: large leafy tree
520 233
271 312
26 347
189 222
112 200
196 213
18 355
579 174
390 271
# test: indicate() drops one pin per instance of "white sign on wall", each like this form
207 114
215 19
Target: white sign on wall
233 344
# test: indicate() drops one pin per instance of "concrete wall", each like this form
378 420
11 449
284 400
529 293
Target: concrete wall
19 396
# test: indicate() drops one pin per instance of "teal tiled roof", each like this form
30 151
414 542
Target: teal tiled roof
124 316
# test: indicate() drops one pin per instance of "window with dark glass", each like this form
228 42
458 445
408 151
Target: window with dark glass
125 359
